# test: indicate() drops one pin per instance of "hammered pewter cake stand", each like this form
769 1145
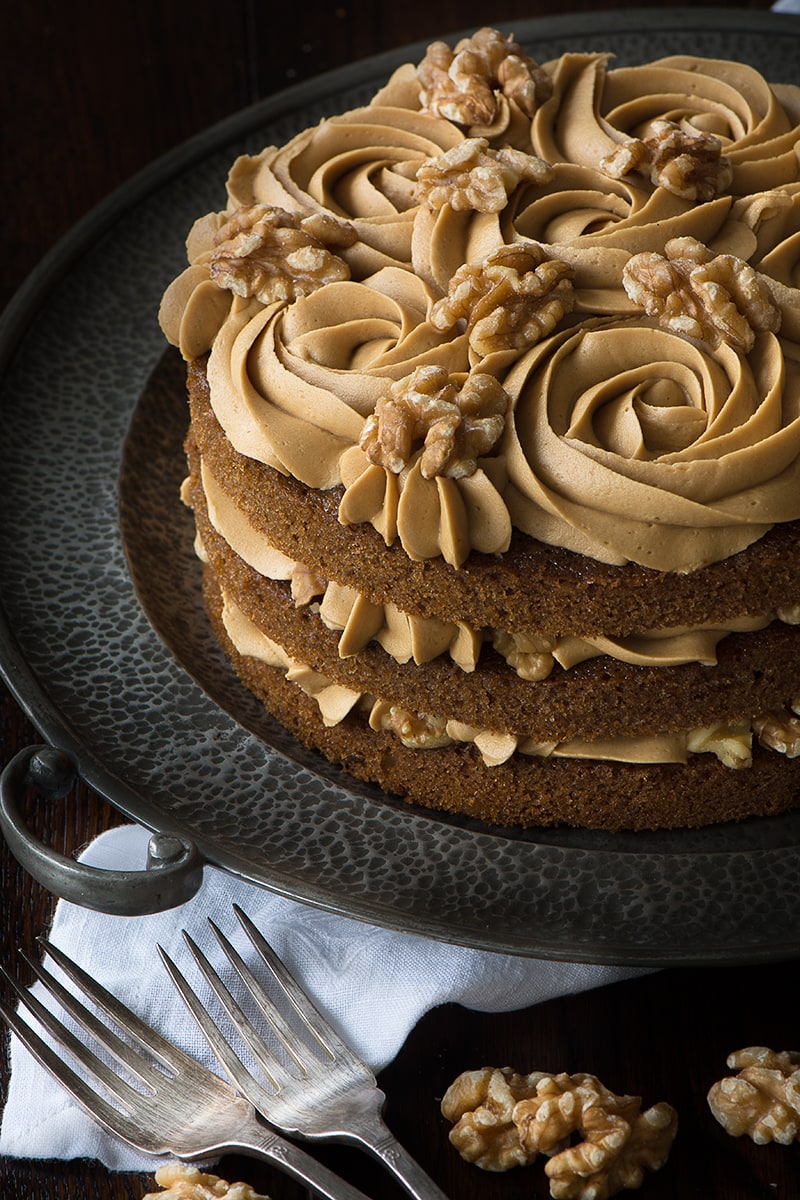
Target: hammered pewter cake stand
104 641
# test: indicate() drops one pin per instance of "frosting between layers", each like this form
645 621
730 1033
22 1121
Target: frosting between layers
406 637
731 744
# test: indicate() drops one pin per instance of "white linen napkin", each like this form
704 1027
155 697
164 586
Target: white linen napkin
374 985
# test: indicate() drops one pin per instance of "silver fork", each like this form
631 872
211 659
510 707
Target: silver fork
182 1109
330 1093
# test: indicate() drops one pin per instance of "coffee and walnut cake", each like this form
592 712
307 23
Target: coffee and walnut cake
495 435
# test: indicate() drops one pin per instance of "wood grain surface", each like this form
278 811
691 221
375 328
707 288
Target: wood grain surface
90 96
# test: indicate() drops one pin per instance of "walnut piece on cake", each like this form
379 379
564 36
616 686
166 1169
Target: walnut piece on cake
732 744
181 1181
779 730
473 177
503 1120
511 300
306 585
687 163
693 292
461 85
273 254
455 425
763 1099
420 731
531 656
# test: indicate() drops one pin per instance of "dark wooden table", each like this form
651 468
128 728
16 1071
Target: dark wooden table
89 96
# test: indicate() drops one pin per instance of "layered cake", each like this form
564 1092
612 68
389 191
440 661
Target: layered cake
494 451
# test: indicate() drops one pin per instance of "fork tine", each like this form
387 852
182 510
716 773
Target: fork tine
283 1030
83 1054
324 1033
95 1105
245 1027
163 1051
222 1048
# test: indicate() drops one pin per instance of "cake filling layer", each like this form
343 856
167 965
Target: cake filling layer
423 731
406 637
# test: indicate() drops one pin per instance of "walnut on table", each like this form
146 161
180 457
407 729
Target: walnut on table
481 1104
498 1127
473 177
511 300
687 163
455 425
461 85
619 1141
272 254
181 1181
763 1099
693 292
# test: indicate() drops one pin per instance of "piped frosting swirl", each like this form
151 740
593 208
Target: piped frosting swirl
631 444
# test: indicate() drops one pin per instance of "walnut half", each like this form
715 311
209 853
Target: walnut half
419 731
455 426
511 300
273 254
596 1142
481 1104
461 85
473 177
763 1099
181 1181
712 298
688 163
779 730
618 1141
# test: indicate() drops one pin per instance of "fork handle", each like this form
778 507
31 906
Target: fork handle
376 1137
257 1141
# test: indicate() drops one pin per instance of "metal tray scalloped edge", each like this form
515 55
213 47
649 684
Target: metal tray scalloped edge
724 895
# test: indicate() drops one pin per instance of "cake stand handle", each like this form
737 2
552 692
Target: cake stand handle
174 868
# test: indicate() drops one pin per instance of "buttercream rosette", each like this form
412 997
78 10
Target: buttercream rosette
595 107
630 443
432 512
360 167
292 384
624 441
774 217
